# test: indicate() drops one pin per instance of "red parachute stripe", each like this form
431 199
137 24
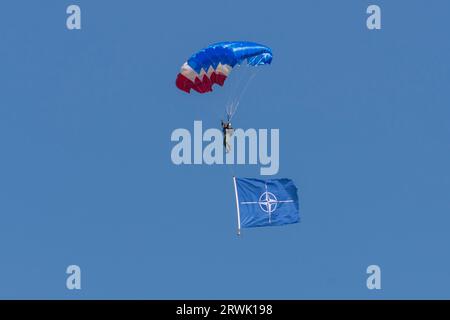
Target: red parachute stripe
201 86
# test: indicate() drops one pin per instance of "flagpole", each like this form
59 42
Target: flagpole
237 206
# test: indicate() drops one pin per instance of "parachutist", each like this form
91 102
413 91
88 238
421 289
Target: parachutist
227 130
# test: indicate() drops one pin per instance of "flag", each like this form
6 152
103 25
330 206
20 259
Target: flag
271 202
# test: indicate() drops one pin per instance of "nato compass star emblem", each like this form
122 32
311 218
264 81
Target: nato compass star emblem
267 202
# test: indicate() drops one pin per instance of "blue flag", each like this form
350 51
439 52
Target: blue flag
271 202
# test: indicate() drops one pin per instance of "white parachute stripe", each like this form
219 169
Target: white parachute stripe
224 69
210 71
190 73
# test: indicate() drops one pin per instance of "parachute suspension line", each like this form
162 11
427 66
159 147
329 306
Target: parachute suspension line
236 88
237 99
233 92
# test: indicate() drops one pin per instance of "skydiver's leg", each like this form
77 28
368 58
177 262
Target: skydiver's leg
229 134
227 142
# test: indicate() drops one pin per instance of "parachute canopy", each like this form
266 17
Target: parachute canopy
213 64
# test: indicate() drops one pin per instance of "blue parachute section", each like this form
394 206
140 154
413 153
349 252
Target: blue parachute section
230 53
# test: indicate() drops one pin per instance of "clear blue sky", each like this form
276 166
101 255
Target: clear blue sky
86 176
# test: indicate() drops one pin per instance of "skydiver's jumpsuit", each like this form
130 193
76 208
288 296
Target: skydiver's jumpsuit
227 134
